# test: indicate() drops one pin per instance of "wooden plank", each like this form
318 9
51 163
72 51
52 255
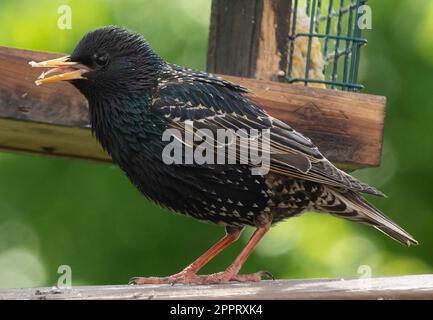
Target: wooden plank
50 120
346 126
404 287
50 139
53 119
249 38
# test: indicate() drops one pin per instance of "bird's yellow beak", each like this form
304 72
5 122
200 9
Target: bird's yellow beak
64 68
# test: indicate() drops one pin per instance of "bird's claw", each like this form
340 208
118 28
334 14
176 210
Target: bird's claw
181 277
253 277
191 278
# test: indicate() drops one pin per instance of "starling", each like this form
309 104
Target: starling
135 96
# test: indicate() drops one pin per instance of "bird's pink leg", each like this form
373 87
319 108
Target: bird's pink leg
232 272
189 274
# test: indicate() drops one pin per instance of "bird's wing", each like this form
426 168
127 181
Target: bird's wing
212 103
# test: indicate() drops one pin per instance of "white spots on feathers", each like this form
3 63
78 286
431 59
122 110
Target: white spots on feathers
271 203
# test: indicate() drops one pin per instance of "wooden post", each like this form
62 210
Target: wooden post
249 38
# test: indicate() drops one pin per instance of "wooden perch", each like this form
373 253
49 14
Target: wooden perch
405 287
53 119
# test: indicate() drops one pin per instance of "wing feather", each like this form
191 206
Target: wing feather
215 104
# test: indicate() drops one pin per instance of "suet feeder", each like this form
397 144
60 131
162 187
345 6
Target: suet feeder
325 41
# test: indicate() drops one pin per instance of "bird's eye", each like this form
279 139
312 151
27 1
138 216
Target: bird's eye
101 59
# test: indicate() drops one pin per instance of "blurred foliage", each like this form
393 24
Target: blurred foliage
55 211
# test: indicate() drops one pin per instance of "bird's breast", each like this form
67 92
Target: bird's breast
227 194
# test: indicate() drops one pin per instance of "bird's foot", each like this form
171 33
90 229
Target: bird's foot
226 276
191 278
184 277
253 277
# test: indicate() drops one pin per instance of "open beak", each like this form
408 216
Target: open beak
62 68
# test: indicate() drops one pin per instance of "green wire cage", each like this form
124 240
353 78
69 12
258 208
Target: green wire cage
324 43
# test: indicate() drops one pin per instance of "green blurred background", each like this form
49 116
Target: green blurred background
66 212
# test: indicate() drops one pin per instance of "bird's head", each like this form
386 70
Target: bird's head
107 59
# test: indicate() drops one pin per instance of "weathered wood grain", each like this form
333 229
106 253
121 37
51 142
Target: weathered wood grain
346 126
249 38
53 119
404 287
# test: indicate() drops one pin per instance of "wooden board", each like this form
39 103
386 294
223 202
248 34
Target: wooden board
53 119
405 287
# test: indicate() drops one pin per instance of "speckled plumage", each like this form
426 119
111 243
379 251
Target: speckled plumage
139 95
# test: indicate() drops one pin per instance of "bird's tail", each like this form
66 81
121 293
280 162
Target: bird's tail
352 206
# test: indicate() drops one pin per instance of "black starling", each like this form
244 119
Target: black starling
134 96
